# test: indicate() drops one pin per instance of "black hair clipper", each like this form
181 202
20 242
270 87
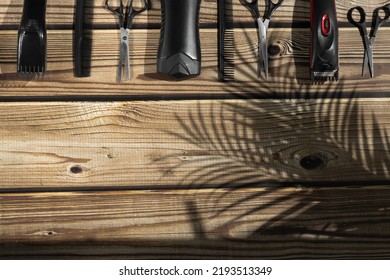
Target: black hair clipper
179 54
32 38
324 53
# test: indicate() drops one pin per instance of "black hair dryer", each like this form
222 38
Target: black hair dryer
179 54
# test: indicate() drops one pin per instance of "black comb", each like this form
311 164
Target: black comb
32 39
78 38
225 41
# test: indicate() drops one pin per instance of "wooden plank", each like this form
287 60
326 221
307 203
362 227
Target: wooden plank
61 12
272 222
82 151
289 73
193 143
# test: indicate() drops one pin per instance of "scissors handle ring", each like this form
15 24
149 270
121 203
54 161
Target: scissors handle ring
133 11
362 16
378 19
272 6
386 10
117 11
253 3
253 6
361 23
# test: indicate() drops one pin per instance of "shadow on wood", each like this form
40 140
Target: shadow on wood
302 144
301 44
272 223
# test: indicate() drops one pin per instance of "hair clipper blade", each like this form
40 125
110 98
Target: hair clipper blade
324 55
32 39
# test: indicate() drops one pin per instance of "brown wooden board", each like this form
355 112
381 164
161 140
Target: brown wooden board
193 143
270 222
61 13
289 67
152 168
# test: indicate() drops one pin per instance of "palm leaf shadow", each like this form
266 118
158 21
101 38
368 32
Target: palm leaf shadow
243 151
242 143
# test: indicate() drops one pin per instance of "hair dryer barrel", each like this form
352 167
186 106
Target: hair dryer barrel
179 54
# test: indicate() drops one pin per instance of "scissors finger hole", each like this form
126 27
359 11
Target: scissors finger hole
139 5
115 3
383 14
357 15
276 2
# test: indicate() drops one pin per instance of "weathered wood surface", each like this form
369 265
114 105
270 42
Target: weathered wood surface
193 143
288 49
61 12
271 222
178 174
289 72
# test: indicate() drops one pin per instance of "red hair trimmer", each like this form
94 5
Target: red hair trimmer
324 51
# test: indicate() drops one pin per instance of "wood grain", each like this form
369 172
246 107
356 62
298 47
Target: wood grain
271 222
289 73
291 12
193 143
198 168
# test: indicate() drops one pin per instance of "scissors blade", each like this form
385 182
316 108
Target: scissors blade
124 61
125 42
368 61
119 69
365 62
263 55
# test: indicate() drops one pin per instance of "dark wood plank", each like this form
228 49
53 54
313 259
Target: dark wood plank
190 175
193 143
289 62
291 12
270 222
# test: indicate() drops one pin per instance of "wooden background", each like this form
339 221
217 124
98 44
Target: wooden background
152 168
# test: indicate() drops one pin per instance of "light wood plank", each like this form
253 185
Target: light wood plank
330 222
193 143
291 12
289 73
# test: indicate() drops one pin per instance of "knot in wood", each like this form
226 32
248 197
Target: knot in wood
76 169
274 50
312 162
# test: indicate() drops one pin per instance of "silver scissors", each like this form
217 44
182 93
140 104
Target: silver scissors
262 27
362 26
126 16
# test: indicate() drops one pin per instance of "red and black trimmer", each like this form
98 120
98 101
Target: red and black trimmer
324 51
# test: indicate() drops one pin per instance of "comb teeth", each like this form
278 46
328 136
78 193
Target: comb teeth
226 51
229 53
32 39
325 76
31 54
31 71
